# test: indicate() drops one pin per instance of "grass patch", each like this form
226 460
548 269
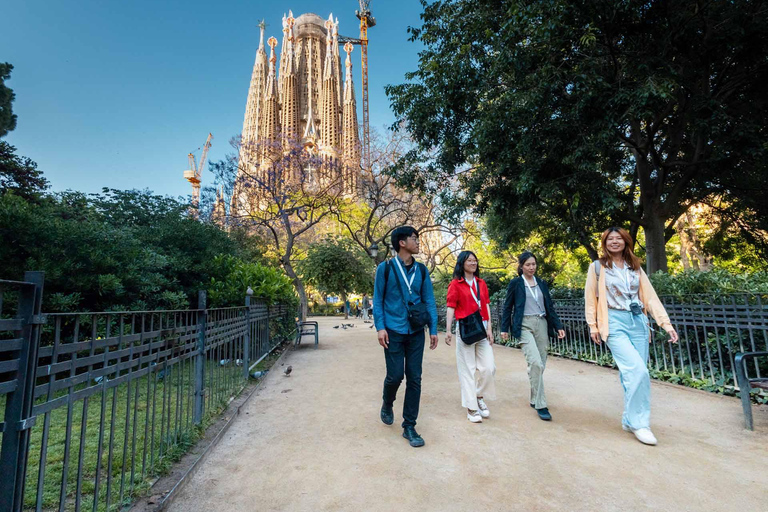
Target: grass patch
117 442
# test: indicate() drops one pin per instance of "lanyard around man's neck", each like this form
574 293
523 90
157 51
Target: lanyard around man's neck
402 272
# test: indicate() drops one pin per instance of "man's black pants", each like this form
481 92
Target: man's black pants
404 356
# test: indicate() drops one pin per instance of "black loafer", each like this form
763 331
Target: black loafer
387 415
544 414
413 438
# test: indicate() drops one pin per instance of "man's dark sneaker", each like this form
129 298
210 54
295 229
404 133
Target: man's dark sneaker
387 415
544 414
533 406
410 434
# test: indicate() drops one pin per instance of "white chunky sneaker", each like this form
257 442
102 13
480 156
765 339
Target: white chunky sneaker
645 436
474 416
484 412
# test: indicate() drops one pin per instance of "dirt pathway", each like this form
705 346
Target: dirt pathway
313 441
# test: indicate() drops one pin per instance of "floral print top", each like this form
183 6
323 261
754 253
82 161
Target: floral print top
622 286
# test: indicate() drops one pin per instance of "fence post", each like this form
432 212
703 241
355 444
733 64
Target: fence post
247 348
202 314
18 412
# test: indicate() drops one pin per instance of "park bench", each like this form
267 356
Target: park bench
307 328
746 384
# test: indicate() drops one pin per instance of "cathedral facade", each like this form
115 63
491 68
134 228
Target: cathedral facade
305 100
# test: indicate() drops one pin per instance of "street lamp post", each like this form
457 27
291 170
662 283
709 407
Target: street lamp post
373 250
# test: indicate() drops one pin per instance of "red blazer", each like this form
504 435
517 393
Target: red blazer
460 298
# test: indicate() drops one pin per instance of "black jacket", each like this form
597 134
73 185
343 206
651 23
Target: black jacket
514 307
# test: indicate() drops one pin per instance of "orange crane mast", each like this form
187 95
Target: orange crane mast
194 173
366 21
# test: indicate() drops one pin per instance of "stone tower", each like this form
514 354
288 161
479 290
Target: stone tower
255 102
302 98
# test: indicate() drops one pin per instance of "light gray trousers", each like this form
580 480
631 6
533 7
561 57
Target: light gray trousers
534 341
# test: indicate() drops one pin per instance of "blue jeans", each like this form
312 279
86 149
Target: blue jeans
628 340
404 357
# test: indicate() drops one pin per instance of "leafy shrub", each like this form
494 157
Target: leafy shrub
113 251
234 276
324 310
717 281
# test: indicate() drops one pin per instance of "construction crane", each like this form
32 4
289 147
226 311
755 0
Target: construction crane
193 174
366 21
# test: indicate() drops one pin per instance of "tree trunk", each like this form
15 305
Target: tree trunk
344 302
299 286
684 243
655 244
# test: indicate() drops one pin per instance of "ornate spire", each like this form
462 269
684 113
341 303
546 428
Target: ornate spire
337 60
219 214
350 134
329 104
262 28
283 51
255 99
270 126
289 87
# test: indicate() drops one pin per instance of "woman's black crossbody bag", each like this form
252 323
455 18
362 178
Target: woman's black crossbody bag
471 328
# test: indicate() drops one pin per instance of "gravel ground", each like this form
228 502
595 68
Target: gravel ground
313 441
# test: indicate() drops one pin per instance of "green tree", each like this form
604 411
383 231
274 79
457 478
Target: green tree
269 285
115 250
286 199
20 175
580 114
7 117
338 266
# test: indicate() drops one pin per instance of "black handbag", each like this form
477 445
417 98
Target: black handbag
472 329
418 316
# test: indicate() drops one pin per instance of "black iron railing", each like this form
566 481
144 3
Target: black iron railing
712 329
95 405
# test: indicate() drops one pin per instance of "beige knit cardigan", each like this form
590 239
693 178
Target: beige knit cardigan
596 304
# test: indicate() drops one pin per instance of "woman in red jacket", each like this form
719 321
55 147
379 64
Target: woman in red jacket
468 297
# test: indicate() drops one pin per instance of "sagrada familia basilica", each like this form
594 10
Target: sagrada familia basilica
302 101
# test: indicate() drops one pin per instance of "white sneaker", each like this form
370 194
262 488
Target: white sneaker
474 416
484 412
645 436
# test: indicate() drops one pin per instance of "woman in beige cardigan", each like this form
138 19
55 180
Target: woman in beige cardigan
617 298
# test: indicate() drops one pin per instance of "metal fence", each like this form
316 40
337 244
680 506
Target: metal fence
95 405
712 329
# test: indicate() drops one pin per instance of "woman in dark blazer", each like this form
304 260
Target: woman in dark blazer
528 308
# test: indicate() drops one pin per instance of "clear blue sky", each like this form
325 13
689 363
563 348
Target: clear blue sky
116 93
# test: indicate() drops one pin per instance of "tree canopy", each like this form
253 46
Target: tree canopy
338 266
7 117
567 116
114 250
20 175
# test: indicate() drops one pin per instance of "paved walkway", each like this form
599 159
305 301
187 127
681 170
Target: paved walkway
313 441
